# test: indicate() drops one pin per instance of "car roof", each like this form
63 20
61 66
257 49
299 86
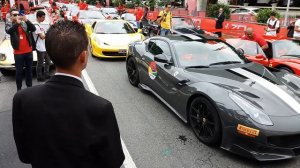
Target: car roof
112 20
188 37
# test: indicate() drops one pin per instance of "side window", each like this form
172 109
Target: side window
164 47
149 46
269 51
94 24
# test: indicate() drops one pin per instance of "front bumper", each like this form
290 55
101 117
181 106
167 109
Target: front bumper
109 51
277 142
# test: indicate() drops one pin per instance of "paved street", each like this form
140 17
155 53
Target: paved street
154 136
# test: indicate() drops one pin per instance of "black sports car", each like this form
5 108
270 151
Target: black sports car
180 25
228 101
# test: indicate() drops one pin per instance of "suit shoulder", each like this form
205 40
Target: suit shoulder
96 100
29 91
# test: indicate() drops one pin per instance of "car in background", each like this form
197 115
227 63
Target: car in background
246 11
110 38
281 54
229 101
180 25
89 16
129 17
110 12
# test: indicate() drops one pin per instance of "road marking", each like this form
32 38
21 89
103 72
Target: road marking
128 162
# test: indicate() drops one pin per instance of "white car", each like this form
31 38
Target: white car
246 11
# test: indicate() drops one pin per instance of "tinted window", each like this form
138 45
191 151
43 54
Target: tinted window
196 53
109 10
159 47
113 27
284 48
250 47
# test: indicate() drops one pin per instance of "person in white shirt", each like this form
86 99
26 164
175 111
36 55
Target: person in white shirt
272 25
40 48
297 30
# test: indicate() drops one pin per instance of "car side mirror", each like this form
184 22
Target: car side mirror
122 18
240 51
161 58
260 56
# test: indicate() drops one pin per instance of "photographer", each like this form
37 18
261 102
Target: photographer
19 30
165 20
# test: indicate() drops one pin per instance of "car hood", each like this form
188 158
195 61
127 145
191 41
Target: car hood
118 39
276 96
88 21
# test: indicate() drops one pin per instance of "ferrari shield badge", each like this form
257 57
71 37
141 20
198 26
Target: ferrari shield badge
152 70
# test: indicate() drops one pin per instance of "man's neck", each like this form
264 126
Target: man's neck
71 72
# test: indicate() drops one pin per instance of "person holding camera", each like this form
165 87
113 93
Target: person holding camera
19 29
165 20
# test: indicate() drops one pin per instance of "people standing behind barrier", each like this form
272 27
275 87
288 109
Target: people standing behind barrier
19 30
219 21
165 20
4 11
297 30
31 4
42 71
273 25
60 124
291 29
138 12
98 4
144 20
21 9
251 36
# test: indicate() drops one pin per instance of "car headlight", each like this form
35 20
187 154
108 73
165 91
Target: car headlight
100 42
2 57
251 110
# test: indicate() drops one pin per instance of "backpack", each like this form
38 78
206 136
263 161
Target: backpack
33 40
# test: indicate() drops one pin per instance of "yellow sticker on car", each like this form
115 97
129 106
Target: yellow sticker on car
247 131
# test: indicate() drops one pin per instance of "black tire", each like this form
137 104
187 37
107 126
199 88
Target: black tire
205 121
286 69
6 72
132 71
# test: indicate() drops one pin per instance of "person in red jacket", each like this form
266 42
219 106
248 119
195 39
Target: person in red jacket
4 10
84 6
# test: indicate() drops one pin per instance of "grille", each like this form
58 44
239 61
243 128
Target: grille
285 141
114 54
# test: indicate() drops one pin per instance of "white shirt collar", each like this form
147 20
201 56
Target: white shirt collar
69 75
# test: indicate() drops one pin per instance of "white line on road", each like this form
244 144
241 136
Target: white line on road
128 163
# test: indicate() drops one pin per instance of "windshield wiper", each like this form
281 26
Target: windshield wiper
197 66
225 63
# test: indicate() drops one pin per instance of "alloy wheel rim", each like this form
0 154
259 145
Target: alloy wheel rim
202 121
131 70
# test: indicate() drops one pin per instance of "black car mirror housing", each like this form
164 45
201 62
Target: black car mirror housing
161 58
240 51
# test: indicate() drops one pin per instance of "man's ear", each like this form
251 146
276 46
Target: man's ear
83 57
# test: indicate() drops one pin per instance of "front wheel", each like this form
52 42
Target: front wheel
132 71
205 121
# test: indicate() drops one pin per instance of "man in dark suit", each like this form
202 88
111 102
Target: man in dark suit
219 21
60 124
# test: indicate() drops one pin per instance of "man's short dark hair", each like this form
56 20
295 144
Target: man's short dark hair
65 41
273 13
40 14
12 10
167 4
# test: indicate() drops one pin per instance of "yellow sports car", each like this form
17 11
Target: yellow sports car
110 38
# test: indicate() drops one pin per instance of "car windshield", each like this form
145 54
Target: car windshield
110 10
90 15
129 17
250 48
182 23
196 53
73 9
113 27
283 48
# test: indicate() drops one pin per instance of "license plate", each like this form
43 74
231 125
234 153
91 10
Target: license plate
122 51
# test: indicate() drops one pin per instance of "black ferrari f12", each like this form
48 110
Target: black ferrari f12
228 101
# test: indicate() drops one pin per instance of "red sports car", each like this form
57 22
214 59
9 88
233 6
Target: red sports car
282 54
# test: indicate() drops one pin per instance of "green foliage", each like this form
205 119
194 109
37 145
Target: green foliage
213 10
264 14
162 3
129 5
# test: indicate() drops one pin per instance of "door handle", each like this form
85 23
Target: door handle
183 82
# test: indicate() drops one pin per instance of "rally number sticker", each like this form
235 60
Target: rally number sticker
152 70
